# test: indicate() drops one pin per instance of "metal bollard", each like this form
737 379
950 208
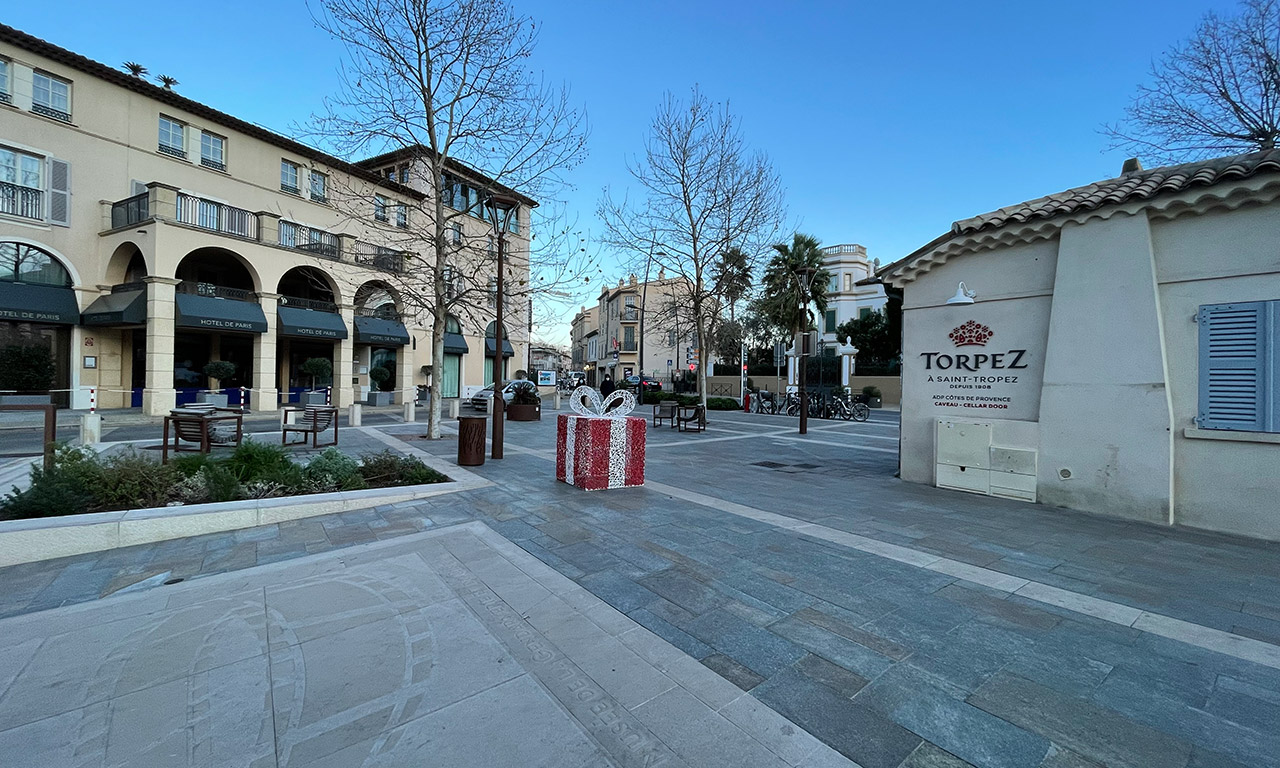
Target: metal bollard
410 414
91 428
557 399
454 405
354 415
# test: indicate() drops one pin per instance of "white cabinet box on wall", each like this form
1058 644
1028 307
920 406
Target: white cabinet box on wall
968 461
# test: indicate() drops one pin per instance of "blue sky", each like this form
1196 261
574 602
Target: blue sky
885 121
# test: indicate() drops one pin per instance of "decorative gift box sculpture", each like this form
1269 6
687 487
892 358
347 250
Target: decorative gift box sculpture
601 447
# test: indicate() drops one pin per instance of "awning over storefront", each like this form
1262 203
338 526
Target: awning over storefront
216 314
311 324
377 330
454 344
490 345
32 303
117 309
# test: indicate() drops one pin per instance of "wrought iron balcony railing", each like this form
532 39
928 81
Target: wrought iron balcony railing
217 217
314 241
316 304
376 256
21 201
217 291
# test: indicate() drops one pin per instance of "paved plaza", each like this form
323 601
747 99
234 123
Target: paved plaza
760 581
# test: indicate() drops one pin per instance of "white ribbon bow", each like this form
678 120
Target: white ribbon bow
585 401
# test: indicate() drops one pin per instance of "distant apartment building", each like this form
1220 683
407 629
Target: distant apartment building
668 334
144 234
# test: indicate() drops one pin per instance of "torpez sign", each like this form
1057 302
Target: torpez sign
972 380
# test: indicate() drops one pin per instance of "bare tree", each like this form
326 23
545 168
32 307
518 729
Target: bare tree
443 87
1216 93
702 192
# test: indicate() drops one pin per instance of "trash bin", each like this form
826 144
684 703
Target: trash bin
471 431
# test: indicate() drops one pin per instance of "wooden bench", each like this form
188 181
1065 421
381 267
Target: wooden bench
691 418
201 424
313 419
665 411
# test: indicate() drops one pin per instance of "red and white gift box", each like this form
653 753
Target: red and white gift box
595 453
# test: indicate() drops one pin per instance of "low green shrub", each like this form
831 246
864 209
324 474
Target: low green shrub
128 480
190 464
333 470
220 483
722 404
252 461
385 469
65 489
871 391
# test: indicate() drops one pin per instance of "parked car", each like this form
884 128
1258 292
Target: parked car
650 384
480 400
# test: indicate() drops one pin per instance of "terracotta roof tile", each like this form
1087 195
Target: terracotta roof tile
1140 185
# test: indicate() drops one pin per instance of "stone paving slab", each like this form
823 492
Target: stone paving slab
451 647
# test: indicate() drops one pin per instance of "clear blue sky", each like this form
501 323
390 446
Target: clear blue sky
885 121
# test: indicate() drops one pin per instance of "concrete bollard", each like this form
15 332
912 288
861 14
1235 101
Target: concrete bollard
90 429
557 399
355 415
410 412
454 405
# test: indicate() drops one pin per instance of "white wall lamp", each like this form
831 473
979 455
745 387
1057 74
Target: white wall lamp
963 295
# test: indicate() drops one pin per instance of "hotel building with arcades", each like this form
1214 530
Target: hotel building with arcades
143 235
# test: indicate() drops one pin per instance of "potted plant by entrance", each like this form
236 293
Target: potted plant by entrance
317 368
27 372
379 376
216 370
526 403
873 395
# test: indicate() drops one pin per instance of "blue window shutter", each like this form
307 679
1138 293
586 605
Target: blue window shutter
1237 371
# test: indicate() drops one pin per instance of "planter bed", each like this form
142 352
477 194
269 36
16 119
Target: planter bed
44 538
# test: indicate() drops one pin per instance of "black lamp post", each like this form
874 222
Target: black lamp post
503 207
805 277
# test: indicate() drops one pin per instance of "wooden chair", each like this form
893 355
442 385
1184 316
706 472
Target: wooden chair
665 411
201 424
692 418
313 419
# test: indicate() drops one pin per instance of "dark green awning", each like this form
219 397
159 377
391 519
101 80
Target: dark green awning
33 303
490 346
216 314
454 344
376 330
117 309
311 324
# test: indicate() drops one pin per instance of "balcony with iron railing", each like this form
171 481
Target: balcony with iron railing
21 201
210 215
311 240
378 257
317 305
217 217
197 288
629 346
629 315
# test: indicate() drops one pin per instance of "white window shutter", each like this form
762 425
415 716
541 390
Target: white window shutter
1238 366
138 188
59 192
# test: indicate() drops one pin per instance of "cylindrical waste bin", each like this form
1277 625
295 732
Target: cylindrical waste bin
471 430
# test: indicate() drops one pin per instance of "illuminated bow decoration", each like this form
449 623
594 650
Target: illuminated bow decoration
585 401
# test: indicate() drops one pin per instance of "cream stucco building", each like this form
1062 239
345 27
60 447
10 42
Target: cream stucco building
1121 355
143 234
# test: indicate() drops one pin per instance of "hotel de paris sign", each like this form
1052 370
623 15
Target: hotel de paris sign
975 376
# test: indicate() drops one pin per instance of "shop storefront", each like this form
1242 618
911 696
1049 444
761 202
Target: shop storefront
455 346
381 338
37 311
308 330
214 323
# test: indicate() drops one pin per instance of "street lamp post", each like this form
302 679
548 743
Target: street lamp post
503 207
805 278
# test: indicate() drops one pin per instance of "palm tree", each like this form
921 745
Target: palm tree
784 294
134 68
167 82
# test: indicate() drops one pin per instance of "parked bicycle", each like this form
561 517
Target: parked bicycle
764 402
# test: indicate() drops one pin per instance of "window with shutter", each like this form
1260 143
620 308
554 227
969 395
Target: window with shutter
1240 366
59 192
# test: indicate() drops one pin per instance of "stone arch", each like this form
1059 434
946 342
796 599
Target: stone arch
127 264
72 274
375 295
308 282
220 267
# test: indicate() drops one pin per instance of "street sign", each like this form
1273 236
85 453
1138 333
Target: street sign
615 354
779 354
692 366
670 363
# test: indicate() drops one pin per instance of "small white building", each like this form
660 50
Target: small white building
848 265
1121 354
